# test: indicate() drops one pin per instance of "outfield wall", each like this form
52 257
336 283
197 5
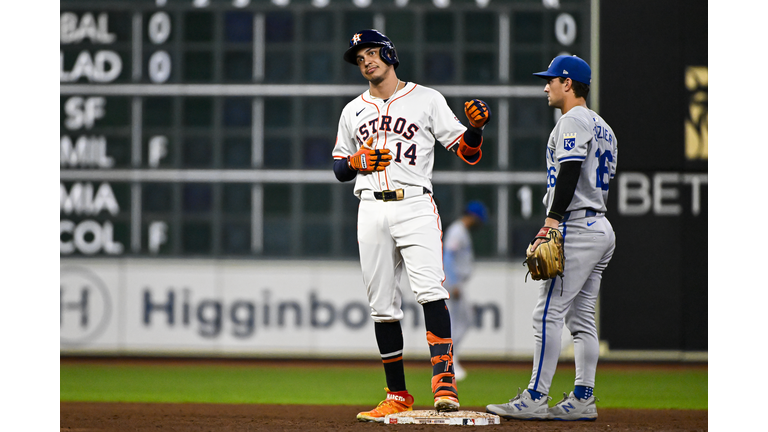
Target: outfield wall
268 308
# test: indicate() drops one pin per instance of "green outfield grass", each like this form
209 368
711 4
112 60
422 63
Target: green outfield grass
349 385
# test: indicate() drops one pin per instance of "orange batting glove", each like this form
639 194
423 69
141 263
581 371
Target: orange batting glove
477 112
369 160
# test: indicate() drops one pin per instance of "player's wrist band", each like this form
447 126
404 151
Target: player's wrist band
473 137
555 216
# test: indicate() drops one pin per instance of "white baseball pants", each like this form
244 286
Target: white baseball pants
394 233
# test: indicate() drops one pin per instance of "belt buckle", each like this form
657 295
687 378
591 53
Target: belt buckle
392 195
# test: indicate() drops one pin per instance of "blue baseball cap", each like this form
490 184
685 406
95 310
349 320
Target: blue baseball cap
567 66
478 209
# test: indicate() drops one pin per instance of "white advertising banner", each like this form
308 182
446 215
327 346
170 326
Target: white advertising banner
269 308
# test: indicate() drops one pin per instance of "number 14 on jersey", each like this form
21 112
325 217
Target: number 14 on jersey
410 153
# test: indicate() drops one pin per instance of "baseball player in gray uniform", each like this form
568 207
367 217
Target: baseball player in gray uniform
581 161
458 261
386 142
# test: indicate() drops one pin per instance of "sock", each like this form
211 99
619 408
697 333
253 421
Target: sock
534 394
438 322
389 337
582 392
437 319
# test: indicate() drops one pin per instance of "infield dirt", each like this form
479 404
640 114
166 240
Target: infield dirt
111 416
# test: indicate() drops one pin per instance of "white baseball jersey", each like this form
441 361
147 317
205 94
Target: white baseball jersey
582 135
408 124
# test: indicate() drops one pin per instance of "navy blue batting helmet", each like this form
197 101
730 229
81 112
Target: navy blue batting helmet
369 38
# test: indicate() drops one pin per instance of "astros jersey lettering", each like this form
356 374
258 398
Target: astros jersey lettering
408 123
582 135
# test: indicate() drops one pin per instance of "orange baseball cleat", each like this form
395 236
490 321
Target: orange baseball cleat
395 402
446 403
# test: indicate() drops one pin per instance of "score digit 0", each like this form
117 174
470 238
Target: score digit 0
159 29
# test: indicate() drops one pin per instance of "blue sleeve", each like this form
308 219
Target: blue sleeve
449 266
343 172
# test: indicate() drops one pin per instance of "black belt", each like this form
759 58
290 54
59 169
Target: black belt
395 195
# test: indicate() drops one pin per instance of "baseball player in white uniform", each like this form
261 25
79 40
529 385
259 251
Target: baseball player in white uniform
581 161
386 139
458 262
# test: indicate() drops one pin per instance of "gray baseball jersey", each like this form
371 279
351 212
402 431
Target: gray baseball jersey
582 135
457 254
589 243
458 260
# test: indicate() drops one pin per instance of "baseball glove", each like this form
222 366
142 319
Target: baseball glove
478 113
548 260
369 160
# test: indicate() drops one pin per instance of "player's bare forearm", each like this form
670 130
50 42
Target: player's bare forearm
552 223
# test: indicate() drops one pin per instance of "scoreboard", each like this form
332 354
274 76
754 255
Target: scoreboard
203 128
